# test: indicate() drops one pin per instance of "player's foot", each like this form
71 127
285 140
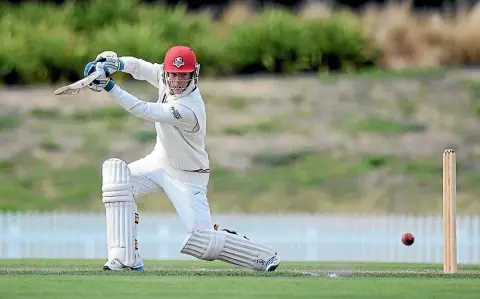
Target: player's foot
116 265
272 263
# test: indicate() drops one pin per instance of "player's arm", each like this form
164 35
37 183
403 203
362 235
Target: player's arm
138 68
175 114
142 70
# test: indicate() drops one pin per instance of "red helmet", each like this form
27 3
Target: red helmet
180 59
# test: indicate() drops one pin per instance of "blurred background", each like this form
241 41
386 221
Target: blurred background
327 123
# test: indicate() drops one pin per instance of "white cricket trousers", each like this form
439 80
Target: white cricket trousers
189 200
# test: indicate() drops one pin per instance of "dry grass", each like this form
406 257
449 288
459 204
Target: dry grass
406 39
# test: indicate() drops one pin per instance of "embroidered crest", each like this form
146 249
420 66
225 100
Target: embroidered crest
178 62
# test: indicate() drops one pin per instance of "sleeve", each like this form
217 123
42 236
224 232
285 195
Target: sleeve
143 70
177 115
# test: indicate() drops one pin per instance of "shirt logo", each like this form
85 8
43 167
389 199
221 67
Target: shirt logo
175 113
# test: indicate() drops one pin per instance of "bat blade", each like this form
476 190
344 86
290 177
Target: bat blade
76 87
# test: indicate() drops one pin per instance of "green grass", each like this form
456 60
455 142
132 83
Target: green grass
473 88
237 103
379 73
201 279
304 169
106 113
264 126
382 126
49 144
10 121
28 183
45 113
145 136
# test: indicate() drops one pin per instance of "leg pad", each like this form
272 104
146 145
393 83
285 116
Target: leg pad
210 244
120 207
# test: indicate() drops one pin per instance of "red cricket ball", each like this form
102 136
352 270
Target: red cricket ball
408 239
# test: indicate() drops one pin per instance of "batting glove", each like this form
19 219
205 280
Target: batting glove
111 61
104 82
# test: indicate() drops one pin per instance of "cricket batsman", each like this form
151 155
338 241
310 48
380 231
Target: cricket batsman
178 165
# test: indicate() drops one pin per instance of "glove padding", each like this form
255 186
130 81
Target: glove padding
111 61
104 82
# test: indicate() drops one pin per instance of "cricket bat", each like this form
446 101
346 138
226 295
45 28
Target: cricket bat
76 87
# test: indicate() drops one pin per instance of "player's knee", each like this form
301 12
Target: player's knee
116 181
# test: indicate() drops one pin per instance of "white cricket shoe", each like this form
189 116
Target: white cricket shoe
272 263
116 265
